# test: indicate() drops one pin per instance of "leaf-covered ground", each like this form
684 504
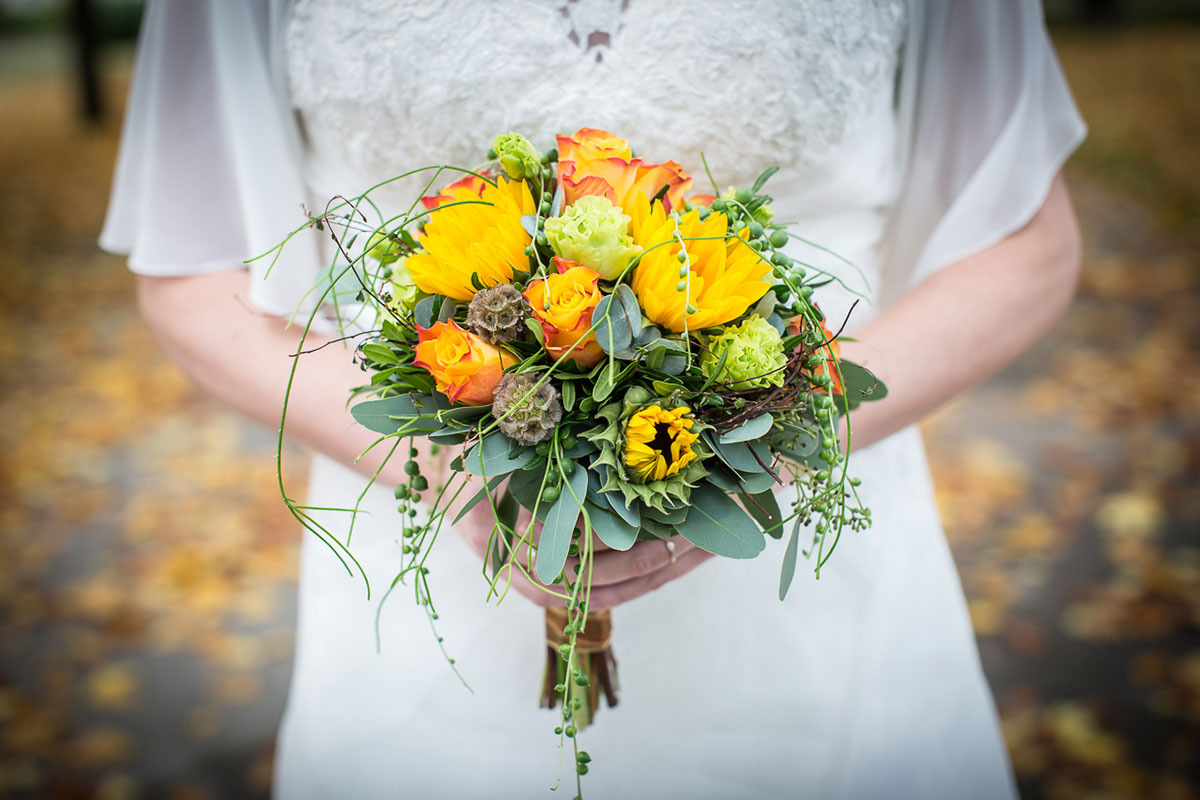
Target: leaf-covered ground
147 565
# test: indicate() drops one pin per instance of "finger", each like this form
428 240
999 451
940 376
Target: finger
606 597
616 566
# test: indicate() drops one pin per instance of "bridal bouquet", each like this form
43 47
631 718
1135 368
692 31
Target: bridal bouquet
618 358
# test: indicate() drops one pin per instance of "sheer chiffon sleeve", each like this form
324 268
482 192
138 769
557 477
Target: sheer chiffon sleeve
207 174
986 121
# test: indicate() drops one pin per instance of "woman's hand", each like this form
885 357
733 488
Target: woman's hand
617 576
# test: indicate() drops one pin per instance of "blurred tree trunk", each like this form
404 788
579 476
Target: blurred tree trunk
83 34
1101 10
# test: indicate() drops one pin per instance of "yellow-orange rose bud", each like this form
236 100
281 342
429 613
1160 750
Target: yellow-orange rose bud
563 304
595 162
466 368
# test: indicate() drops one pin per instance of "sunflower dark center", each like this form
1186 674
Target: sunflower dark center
662 440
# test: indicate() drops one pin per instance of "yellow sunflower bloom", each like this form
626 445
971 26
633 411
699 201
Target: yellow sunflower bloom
658 442
473 238
727 277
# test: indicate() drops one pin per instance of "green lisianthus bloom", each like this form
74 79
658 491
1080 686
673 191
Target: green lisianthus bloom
402 289
595 233
517 155
754 356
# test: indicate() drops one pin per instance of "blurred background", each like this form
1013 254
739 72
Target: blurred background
147 564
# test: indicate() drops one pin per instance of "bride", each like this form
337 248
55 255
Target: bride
922 141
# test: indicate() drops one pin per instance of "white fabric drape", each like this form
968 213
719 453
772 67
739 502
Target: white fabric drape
986 121
208 171
207 174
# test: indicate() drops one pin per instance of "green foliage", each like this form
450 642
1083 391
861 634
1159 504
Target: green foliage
788 570
559 524
719 525
612 529
496 454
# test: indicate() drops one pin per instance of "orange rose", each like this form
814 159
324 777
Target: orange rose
563 303
465 367
597 162
446 194
797 324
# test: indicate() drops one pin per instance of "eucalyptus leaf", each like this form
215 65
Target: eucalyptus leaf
765 306
740 456
755 482
491 456
480 496
392 414
567 390
629 304
612 530
721 478
581 448
765 509
446 312
507 510
556 530
805 445
666 355
529 223
450 436
525 486
719 525
748 431
423 312
613 331
629 514
463 413
788 570
861 385
647 335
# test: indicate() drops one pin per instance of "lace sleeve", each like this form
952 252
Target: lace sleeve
207 173
986 121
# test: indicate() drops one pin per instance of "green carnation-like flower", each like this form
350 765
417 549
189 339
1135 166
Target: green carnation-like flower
753 351
517 155
404 293
595 233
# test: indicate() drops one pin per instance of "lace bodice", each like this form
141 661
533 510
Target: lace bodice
383 86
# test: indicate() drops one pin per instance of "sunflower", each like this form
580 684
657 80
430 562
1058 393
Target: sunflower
726 276
650 450
486 239
658 442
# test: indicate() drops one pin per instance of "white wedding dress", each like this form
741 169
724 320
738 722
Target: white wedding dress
863 684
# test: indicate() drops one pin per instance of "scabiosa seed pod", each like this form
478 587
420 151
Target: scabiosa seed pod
534 412
497 314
